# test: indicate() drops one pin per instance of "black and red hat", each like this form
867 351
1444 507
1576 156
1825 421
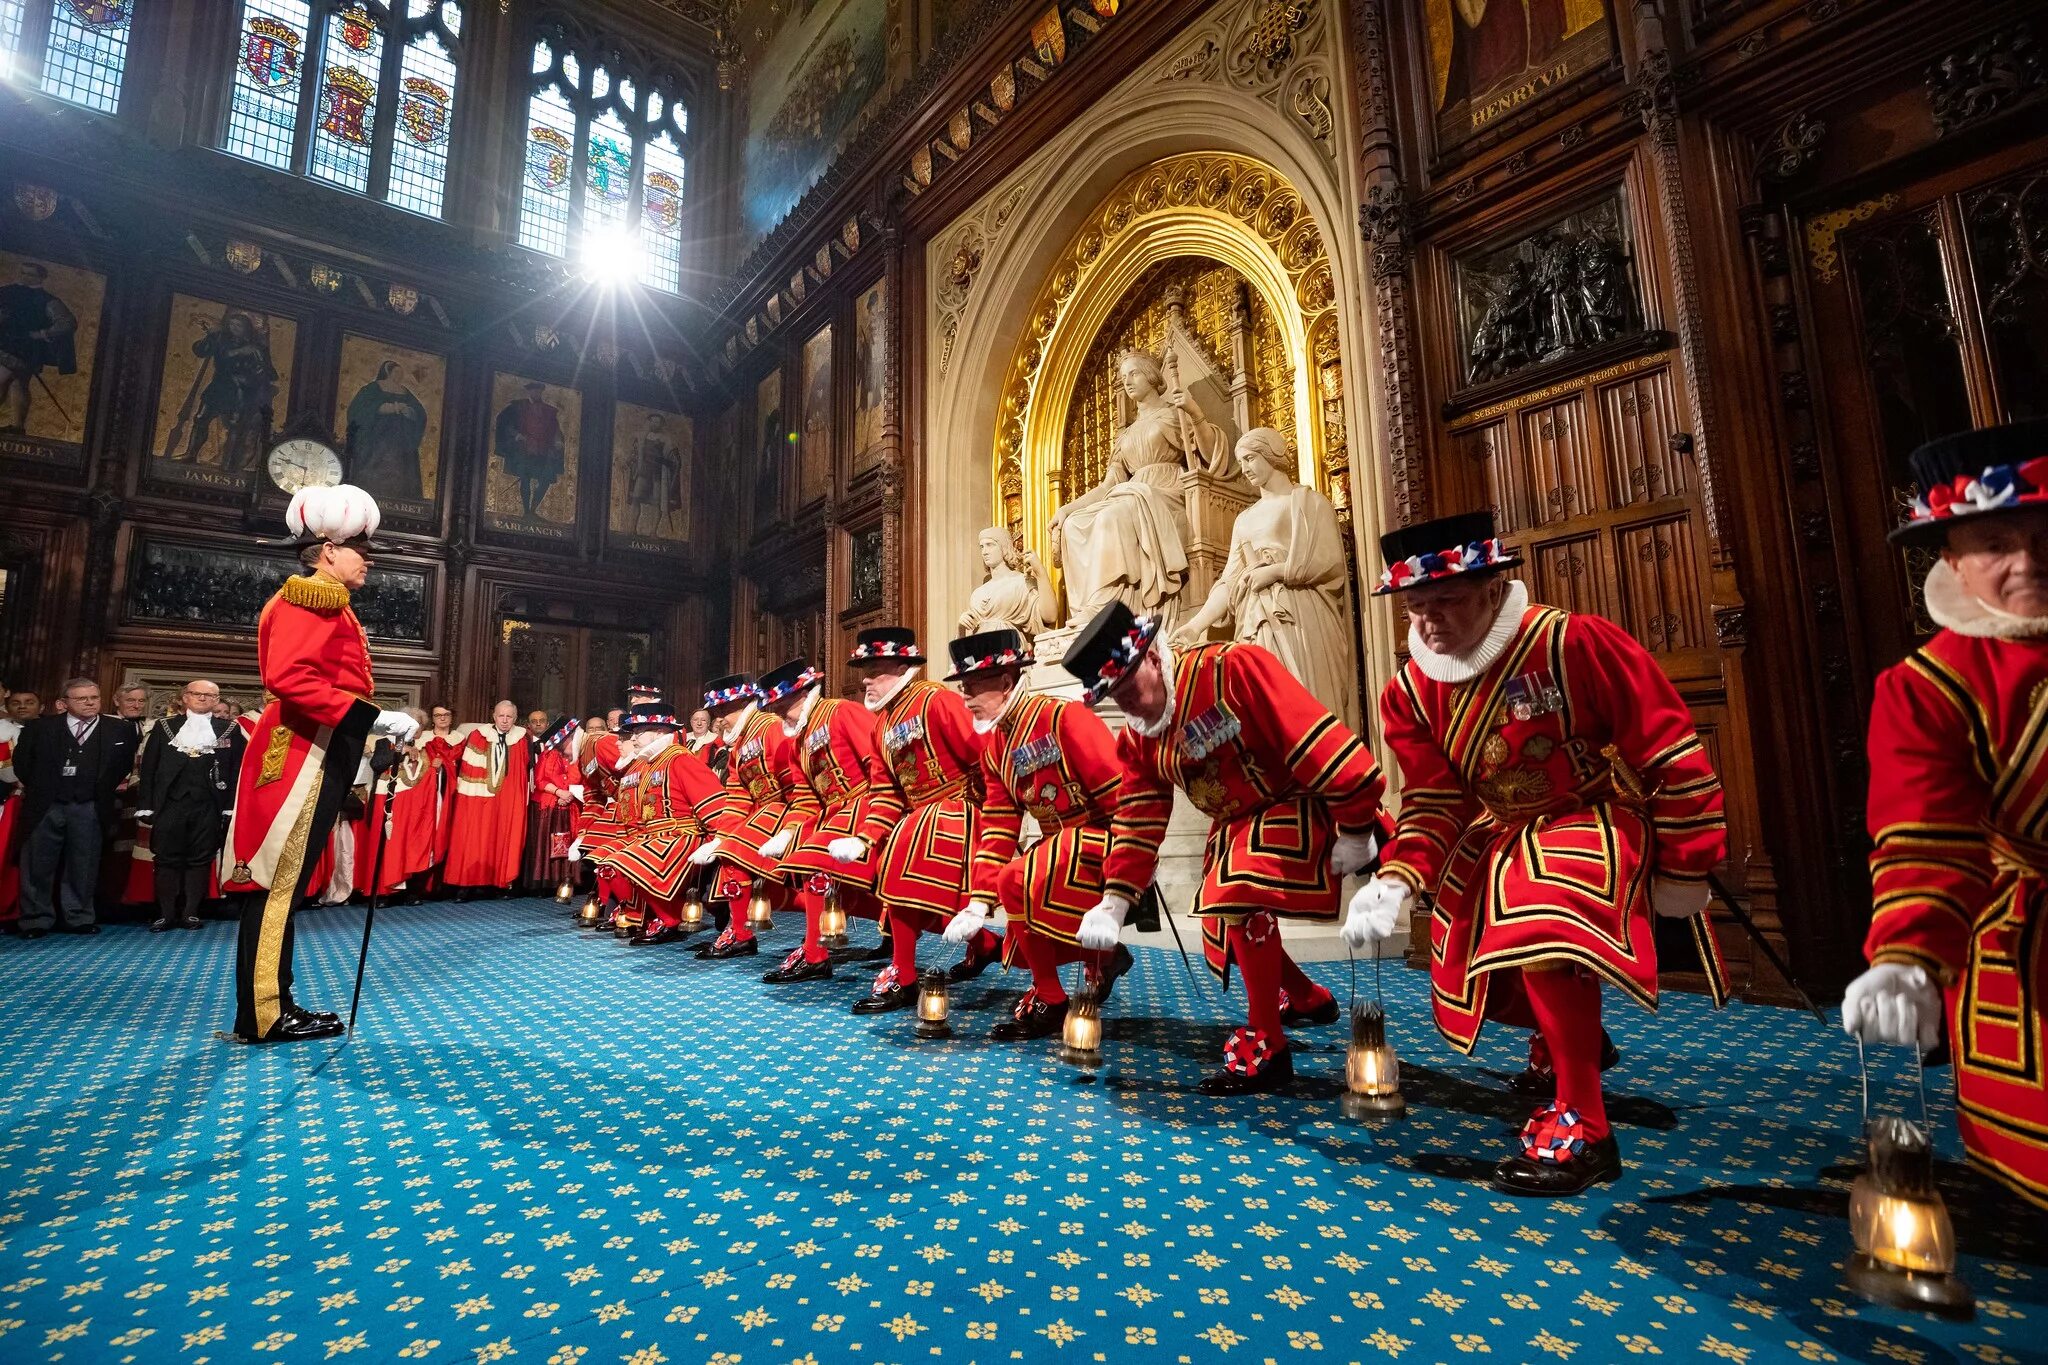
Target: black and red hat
559 732
642 684
734 689
786 681
886 644
988 651
648 715
1971 475
1107 648
1463 545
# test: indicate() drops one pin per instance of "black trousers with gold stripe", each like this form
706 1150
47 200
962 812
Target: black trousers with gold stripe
337 774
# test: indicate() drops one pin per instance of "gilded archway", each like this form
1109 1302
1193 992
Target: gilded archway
1222 206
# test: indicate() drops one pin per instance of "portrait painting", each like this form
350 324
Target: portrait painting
1489 58
870 372
810 80
650 486
227 377
530 484
771 442
49 336
814 450
387 410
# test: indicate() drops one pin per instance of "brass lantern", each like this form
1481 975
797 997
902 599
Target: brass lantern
589 915
760 910
933 1007
1081 1034
693 911
832 919
564 893
1372 1073
1905 1253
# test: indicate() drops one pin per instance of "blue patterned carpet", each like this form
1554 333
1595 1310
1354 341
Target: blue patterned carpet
544 1146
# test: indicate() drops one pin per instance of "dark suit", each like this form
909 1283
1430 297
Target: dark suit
66 816
186 795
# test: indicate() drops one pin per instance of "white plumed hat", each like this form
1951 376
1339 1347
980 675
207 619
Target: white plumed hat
343 514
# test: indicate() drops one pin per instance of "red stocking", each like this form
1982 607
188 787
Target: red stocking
667 914
1566 1003
736 926
1256 946
813 906
903 943
1042 955
1302 993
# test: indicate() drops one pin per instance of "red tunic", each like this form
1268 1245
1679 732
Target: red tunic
409 843
1278 776
489 834
922 825
446 756
834 756
1512 818
1959 813
766 795
600 822
315 663
1056 762
667 802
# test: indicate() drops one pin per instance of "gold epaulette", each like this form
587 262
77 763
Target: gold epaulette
314 593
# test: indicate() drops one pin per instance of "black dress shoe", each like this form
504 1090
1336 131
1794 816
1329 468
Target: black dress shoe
1542 1080
1325 1013
158 926
880 953
302 1028
79 929
1277 1071
973 965
298 1011
191 922
800 970
668 933
882 1002
34 933
1596 1163
1035 1020
750 947
1119 962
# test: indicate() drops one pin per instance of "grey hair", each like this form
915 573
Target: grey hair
73 684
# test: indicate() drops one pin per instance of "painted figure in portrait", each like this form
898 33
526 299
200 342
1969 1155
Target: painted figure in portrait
812 76
390 404
530 445
225 369
814 450
870 372
49 323
530 486
1489 57
650 473
773 443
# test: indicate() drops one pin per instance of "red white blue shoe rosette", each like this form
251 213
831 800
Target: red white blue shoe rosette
1553 1135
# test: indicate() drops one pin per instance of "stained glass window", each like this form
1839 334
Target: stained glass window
605 152
357 93
76 50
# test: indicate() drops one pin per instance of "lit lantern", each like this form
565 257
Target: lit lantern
932 1007
1905 1253
693 911
832 919
1372 1074
589 915
564 893
760 910
1081 1035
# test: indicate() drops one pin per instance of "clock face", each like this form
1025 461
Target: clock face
303 463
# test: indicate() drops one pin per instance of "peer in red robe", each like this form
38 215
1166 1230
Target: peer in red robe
10 865
557 808
408 838
443 749
489 828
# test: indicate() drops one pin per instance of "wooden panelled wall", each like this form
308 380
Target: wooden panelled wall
141 200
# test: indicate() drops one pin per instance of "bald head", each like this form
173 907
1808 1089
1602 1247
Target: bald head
202 698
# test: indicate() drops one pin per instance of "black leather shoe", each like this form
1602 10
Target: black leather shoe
299 1011
79 929
668 933
1277 1071
1036 1020
880 953
973 965
1325 1013
302 1028
34 933
734 948
158 926
1540 1080
190 923
882 1002
1119 962
799 970
1597 1163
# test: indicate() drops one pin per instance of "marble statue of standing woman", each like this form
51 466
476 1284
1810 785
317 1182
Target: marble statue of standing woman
1126 538
1286 584
1016 593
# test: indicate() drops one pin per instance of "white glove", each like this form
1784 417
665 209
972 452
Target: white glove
1352 852
1678 900
144 814
778 845
968 922
847 849
575 853
1104 925
706 853
395 724
575 791
1375 910
1894 1002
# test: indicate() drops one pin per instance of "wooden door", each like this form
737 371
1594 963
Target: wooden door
563 670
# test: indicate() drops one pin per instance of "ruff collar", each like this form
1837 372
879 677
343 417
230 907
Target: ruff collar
196 735
736 726
1463 668
896 687
982 727
1165 721
794 723
1955 609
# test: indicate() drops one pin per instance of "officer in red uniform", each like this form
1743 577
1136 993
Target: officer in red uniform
603 761
1293 797
1532 741
1959 802
302 756
668 799
832 754
1056 762
922 823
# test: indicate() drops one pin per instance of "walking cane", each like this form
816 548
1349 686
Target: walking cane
384 760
